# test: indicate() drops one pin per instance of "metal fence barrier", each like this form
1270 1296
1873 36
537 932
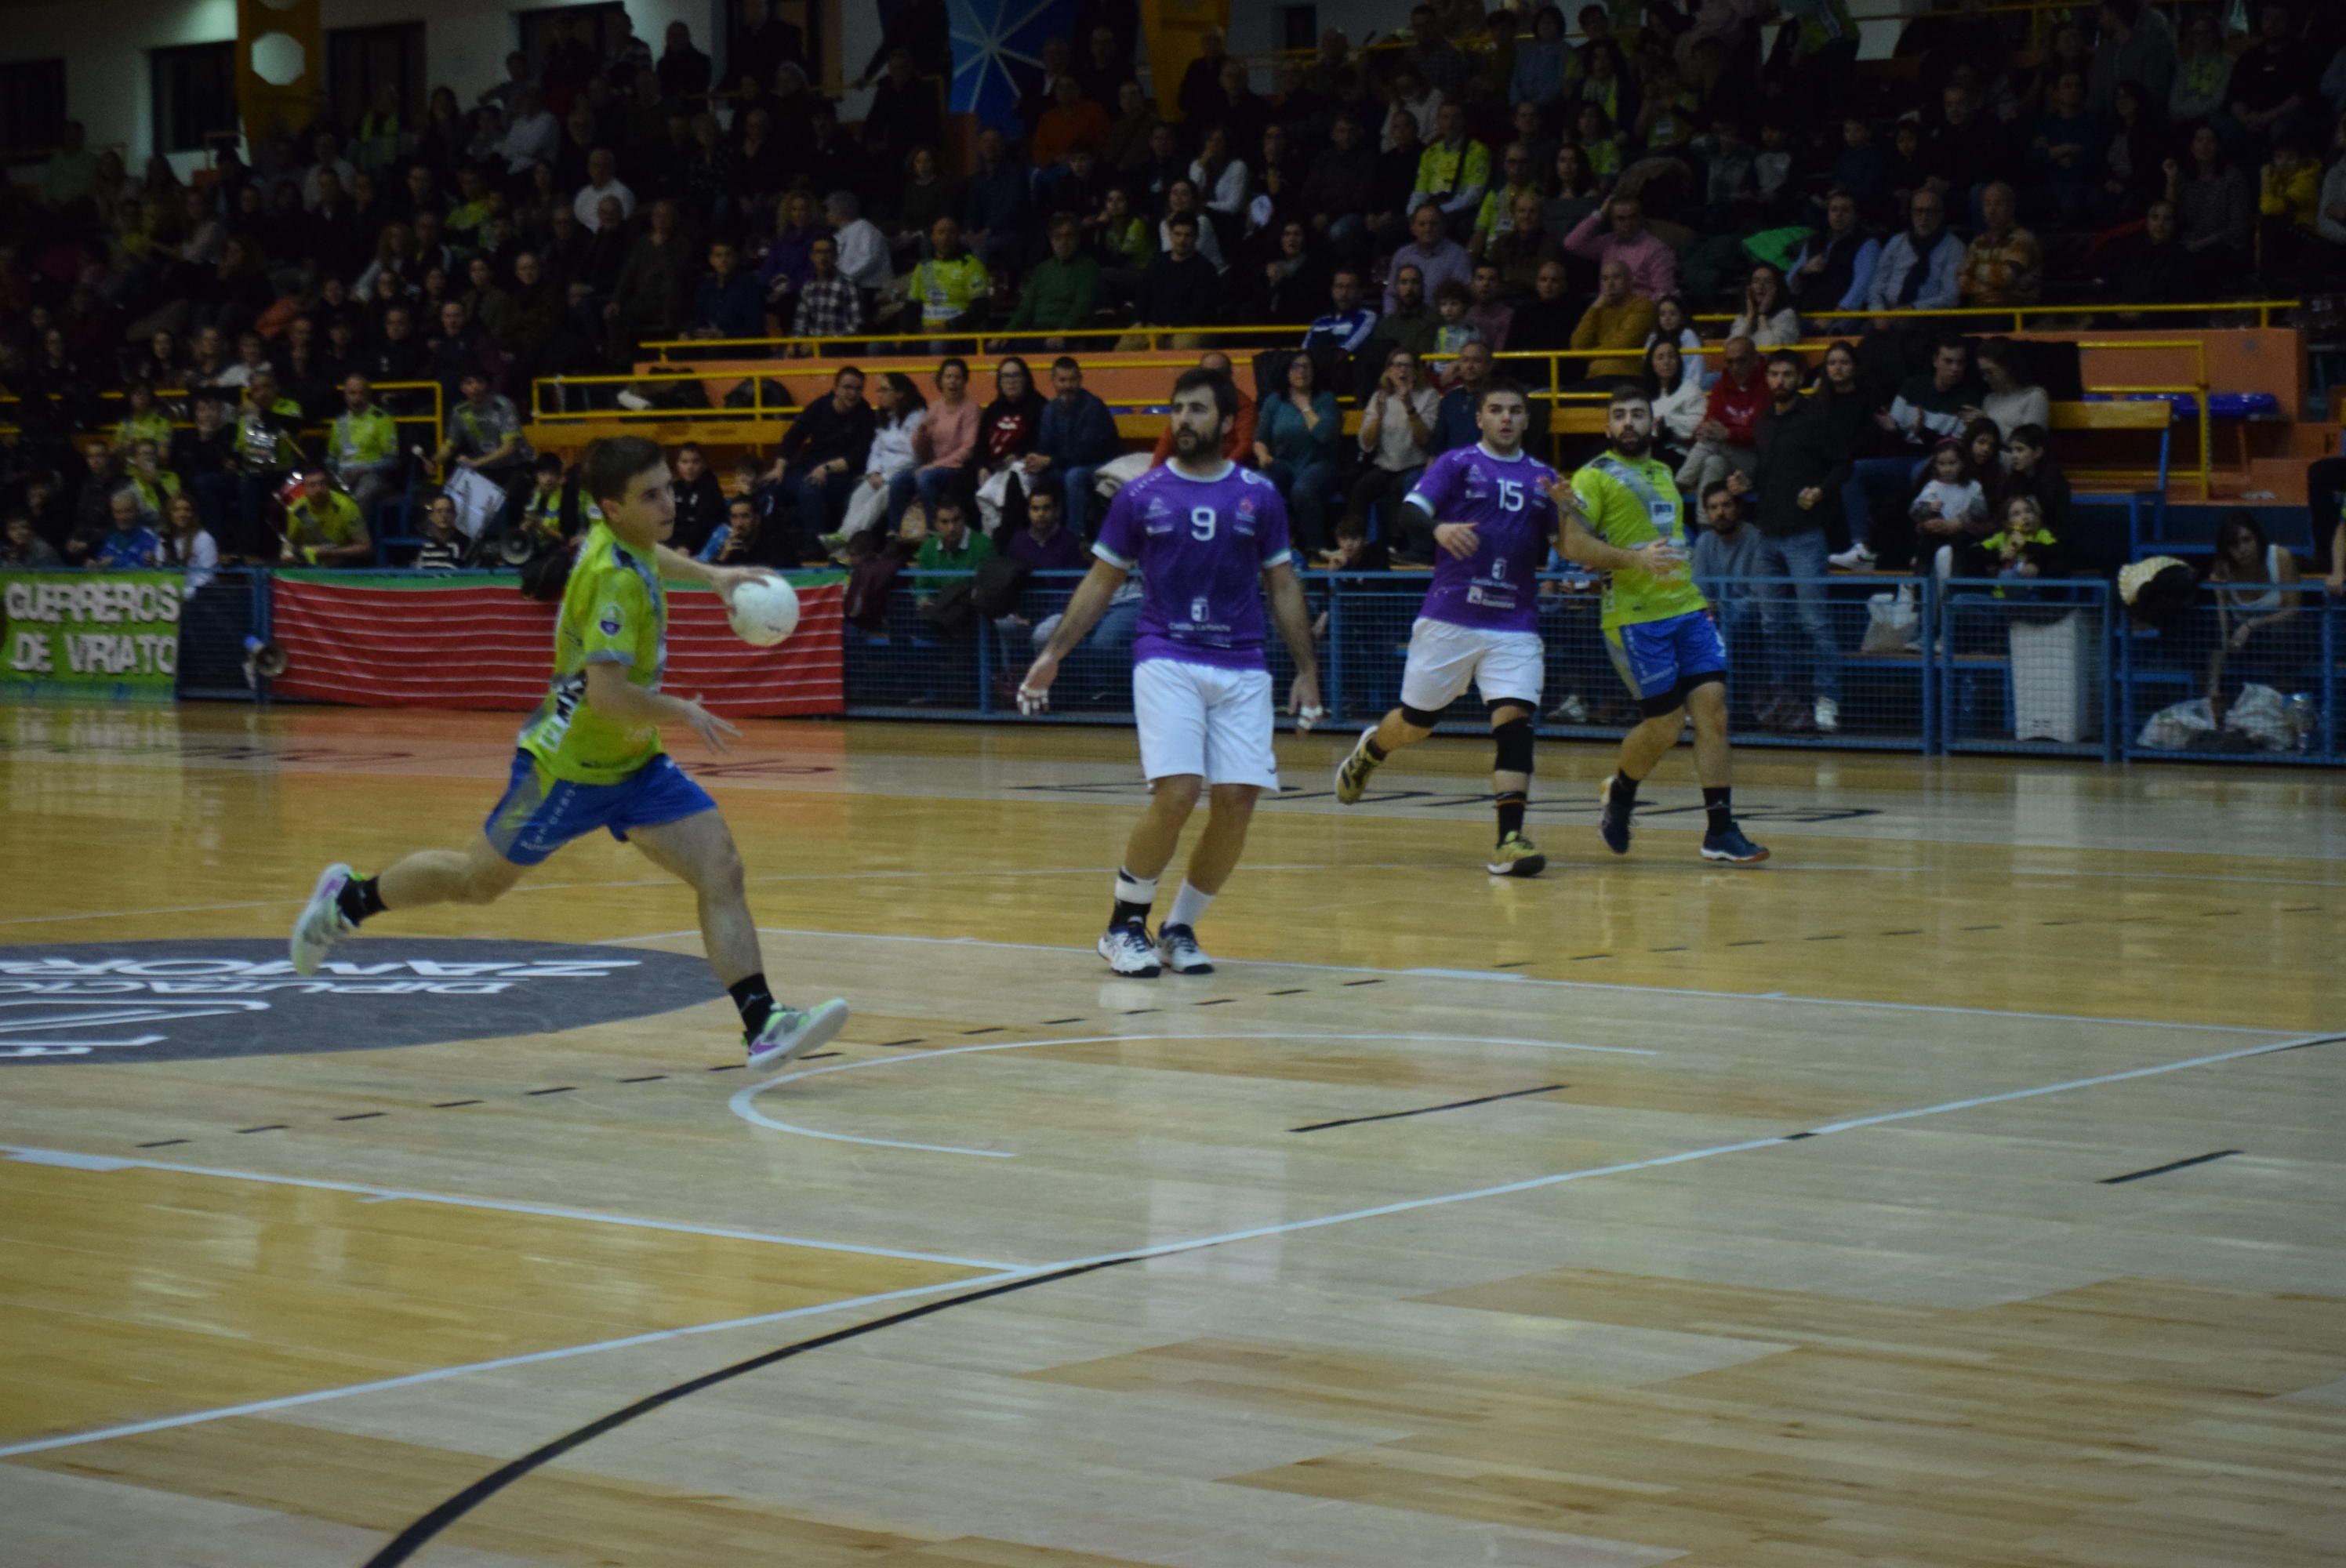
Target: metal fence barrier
1919 664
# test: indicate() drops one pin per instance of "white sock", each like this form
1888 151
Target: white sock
1132 889
1188 906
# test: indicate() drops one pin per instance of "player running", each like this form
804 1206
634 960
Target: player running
591 758
1201 531
1630 521
1492 521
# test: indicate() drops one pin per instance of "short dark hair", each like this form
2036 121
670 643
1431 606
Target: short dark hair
846 370
1716 487
2028 435
1452 289
1961 345
611 461
1787 357
1498 386
1626 391
1181 220
1066 362
945 503
549 463
1224 390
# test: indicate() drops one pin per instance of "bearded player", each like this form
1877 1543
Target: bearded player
1622 515
590 756
1491 520
1202 532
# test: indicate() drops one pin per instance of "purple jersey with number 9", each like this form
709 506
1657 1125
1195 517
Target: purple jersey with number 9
1200 546
1505 498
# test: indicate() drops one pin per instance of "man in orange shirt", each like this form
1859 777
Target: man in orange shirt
1072 121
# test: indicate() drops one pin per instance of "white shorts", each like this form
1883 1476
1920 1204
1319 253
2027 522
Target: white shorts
1200 719
1505 667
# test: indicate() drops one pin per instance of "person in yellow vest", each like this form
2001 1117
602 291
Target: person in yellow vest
147 421
363 445
951 289
154 483
324 527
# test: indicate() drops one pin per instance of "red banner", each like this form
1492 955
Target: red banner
475 643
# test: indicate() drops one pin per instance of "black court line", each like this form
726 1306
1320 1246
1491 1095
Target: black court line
1585 957
819 1056
452 1105
1293 991
1515 963
1217 1002
1364 983
1907 930
270 1127
1428 1110
2169 1166
915 1040
1134 1012
563 1088
162 1143
646 1078
989 1029
361 1115
730 1067
408 1541
1048 1022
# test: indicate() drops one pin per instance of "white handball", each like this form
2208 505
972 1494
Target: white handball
765 610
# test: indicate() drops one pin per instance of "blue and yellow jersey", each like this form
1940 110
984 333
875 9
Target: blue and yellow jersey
613 611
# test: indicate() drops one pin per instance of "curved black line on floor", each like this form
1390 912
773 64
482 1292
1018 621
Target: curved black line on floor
408 1541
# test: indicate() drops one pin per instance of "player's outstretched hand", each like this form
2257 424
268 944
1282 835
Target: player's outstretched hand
725 579
1304 703
711 729
1659 559
1034 690
1459 539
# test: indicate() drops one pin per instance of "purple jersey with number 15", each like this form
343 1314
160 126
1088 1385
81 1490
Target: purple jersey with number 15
1200 546
1505 498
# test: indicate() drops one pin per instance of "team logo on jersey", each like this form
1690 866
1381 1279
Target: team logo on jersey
181 1001
607 618
1246 509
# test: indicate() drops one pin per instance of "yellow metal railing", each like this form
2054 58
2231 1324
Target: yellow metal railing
2019 313
916 342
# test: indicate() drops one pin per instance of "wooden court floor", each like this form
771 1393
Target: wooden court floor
1961 1187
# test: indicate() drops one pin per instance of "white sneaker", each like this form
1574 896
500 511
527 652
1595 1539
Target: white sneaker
1178 950
1129 951
632 401
1352 773
791 1033
1573 709
1828 716
1852 558
322 922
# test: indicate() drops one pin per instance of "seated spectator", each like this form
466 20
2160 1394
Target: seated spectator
1341 188
821 458
1949 511
1504 210
1180 288
995 205
21 548
151 482
2065 154
1349 324
484 434
863 255
726 303
1452 331
2215 206
1833 271
942 445
2003 264
1724 443
2154 268
1047 544
1353 551
1487 312
739 539
324 527
1074 120
1680 402
1396 424
1299 444
144 419
602 183
1922 266
649 297
953 546
2012 400
1545 321
1438 259
2032 474
1076 436
2290 202
2274 86
829 303
1617 319
699 499
1453 171
188 546
1653 269
2202 82
1769 319
1577 191
1409 321
1063 290
951 286
129 543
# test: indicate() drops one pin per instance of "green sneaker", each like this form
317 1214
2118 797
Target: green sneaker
1515 857
790 1033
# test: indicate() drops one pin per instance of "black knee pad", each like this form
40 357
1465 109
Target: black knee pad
1662 707
1420 717
1514 743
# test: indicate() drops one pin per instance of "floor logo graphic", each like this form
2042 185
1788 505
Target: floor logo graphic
178 1000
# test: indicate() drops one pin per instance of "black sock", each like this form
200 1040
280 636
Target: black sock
755 1003
1126 912
1376 753
1623 790
1721 809
1511 813
361 899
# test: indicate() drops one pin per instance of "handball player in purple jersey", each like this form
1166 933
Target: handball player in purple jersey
1208 539
1492 522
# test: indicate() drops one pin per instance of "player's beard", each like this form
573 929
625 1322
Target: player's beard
1189 445
1628 443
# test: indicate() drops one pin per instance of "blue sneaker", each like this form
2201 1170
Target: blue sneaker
1613 822
1732 847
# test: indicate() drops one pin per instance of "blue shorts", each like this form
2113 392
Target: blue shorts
539 814
1660 659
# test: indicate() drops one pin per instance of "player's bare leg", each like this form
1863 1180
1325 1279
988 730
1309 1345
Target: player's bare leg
1211 861
1642 750
1126 945
1714 765
699 851
342 898
1404 727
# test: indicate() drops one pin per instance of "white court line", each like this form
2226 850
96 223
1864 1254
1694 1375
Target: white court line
1404 1205
741 1101
1526 980
74 1161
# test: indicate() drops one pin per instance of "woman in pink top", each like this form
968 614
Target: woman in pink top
941 447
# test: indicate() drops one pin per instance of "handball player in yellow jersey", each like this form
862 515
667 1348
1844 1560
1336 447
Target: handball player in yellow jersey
590 756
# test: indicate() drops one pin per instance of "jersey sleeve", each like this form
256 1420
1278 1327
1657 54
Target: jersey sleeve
1598 492
1119 536
1277 546
619 615
1436 489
